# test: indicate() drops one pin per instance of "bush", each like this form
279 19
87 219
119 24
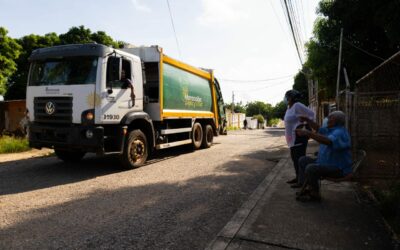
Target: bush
273 122
10 144
230 128
259 118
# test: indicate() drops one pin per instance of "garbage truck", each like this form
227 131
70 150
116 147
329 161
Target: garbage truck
93 98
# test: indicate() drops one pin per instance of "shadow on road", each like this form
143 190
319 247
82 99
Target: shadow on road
275 132
37 173
151 216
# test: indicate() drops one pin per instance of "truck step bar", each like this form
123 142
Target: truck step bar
173 144
175 131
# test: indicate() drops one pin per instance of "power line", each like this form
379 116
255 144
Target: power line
264 87
293 32
173 27
279 21
363 50
261 80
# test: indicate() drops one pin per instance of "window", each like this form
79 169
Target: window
64 71
125 74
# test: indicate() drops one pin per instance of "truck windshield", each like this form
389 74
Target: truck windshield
64 71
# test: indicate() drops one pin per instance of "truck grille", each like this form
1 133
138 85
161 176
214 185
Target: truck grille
53 109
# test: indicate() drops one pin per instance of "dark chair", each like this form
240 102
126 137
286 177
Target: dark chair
358 158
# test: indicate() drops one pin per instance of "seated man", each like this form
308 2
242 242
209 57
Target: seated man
334 157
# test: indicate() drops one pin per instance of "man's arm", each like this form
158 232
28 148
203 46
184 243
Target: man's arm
310 122
318 137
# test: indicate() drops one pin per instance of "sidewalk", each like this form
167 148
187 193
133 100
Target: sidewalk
273 219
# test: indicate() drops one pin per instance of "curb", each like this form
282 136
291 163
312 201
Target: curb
229 231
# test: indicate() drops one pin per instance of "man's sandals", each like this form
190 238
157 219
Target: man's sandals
307 194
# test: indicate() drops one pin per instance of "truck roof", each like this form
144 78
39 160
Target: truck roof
90 49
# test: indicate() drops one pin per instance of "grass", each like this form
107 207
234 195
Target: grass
10 144
231 128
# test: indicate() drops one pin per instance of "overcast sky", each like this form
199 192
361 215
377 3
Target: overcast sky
240 40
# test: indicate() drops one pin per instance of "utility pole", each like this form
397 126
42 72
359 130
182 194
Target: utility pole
347 93
233 106
339 66
233 101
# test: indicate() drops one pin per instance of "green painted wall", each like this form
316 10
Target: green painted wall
185 91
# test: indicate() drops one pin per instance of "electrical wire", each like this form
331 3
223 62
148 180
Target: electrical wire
363 50
287 36
261 80
173 27
293 32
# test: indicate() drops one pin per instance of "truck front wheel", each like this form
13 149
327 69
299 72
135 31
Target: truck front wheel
135 150
69 156
208 137
197 135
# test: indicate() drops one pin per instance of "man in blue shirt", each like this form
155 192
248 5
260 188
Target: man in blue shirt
334 157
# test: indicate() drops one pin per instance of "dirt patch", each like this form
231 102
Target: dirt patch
25 155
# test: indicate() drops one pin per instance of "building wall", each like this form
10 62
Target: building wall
235 120
11 114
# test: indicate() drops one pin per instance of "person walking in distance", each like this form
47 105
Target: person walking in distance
296 143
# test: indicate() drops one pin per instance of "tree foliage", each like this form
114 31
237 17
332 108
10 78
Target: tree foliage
301 85
237 107
279 110
16 73
259 108
370 25
17 83
9 52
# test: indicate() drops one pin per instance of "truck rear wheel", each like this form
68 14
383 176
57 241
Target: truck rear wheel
69 156
197 135
208 137
135 150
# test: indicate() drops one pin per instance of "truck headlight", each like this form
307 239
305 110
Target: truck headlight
87 117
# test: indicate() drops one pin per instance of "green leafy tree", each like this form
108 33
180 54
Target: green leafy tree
77 35
17 83
81 34
9 52
259 108
301 85
237 107
279 110
370 25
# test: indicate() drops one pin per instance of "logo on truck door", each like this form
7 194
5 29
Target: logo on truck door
50 108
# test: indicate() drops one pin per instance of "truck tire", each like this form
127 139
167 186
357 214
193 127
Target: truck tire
208 137
197 135
69 156
135 150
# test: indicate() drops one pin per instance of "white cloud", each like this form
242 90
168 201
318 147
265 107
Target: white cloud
222 12
140 6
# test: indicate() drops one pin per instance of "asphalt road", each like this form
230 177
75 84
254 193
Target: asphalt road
181 199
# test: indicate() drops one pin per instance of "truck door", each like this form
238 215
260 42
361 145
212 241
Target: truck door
119 93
